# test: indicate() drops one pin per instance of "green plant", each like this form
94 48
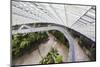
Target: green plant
22 43
52 57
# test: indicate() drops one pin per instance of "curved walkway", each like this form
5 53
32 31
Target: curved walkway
72 42
35 56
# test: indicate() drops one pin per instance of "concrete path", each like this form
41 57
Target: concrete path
80 55
35 57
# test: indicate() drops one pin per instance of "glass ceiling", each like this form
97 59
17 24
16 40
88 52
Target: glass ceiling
77 17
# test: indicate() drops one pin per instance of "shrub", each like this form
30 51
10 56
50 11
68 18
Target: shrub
22 43
52 57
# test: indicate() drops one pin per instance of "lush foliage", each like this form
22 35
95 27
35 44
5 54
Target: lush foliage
52 57
22 43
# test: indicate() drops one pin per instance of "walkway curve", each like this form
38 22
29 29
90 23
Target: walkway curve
68 36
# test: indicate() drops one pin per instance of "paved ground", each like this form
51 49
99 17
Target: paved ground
35 57
80 54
